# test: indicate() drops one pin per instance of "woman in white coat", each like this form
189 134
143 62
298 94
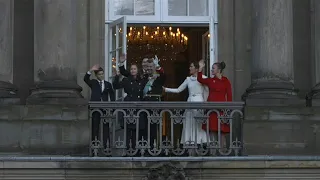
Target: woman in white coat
197 93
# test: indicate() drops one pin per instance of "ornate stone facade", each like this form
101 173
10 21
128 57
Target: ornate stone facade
166 171
47 46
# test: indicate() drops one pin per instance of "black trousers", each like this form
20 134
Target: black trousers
96 119
153 129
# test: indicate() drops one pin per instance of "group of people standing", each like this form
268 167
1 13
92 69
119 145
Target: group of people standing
147 84
201 89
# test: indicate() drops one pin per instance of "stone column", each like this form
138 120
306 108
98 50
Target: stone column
272 51
226 38
313 97
83 45
242 46
8 92
55 52
97 32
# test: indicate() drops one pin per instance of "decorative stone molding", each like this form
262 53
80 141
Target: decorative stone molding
56 92
166 171
313 97
8 94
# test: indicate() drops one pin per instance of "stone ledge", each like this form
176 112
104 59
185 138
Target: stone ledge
43 112
195 168
243 162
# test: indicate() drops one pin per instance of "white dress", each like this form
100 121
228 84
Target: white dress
197 93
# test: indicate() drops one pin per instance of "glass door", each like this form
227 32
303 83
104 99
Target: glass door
117 45
206 51
213 29
209 45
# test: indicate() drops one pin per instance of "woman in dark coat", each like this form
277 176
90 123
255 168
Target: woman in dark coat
133 87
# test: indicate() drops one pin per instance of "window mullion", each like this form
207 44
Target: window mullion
134 7
188 6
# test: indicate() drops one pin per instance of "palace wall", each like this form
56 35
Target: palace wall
271 49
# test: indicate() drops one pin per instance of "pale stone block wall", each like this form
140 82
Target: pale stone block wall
117 169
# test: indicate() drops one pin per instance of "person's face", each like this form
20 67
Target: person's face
151 68
133 70
145 64
100 75
192 69
215 70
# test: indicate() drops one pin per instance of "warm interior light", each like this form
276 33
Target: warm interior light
165 42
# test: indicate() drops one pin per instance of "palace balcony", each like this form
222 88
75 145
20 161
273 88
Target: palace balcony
162 124
56 142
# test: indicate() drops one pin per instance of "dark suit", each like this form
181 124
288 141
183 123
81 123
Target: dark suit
154 94
133 88
98 95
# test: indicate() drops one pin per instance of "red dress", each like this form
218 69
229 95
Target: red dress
219 90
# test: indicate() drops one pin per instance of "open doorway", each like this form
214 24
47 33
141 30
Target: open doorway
183 44
175 47
202 45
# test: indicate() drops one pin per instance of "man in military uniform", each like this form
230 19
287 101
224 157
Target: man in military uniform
152 82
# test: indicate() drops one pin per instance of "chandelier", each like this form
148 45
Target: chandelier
164 42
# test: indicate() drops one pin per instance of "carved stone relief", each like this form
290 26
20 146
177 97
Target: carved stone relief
166 172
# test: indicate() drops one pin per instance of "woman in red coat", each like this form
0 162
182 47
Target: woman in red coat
219 91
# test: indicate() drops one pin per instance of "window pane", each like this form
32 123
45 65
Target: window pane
113 42
123 7
144 7
120 35
112 58
177 7
198 7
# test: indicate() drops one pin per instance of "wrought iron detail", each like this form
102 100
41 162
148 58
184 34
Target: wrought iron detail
148 120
